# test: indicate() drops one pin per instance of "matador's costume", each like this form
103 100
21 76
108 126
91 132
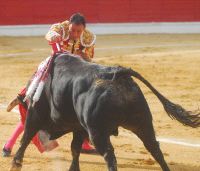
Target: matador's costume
85 43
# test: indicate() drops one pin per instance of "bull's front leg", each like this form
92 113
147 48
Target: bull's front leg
76 149
31 128
18 158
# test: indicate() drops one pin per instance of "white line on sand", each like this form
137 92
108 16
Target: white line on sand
168 140
164 140
178 142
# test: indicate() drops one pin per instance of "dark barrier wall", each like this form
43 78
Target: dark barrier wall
17 12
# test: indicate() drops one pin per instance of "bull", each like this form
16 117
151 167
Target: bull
92 100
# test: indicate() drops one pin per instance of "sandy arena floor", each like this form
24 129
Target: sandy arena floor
170 62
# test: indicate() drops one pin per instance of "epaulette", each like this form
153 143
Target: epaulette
60 28
87 38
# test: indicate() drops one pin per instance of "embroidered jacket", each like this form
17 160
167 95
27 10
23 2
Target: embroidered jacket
85 43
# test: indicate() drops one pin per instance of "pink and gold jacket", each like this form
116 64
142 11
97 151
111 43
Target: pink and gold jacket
85 43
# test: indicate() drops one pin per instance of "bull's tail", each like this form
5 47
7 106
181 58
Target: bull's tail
175 111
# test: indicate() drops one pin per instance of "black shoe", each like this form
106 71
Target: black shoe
6 152
12 104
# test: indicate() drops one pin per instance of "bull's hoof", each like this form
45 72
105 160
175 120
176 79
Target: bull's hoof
16 165
74 168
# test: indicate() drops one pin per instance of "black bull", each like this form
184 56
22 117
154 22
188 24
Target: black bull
91 99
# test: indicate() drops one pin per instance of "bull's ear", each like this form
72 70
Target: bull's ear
87 38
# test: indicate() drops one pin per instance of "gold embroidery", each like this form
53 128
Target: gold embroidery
84 44
87 38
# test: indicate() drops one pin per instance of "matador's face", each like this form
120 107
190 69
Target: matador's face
75 31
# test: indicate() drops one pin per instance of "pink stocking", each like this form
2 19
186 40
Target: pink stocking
18 130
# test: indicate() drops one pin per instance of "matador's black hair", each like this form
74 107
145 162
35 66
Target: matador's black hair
77 18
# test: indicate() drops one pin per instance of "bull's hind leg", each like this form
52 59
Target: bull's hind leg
31 128
76 149
146 133
104 147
